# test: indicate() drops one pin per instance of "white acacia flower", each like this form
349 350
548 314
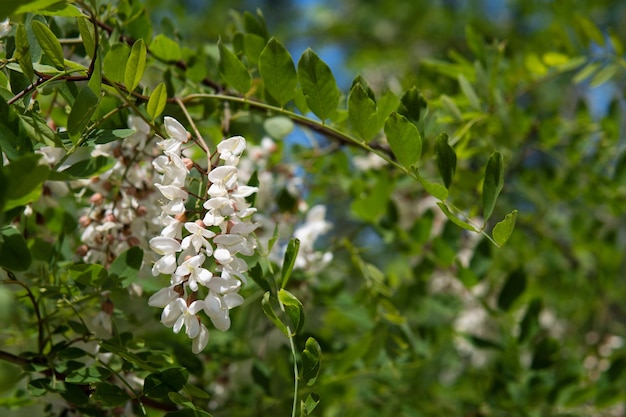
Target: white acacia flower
175 129
217 310
192 267
201 340
223 179
198 238
163 297
234 268
231 149
167 247
173 228
219 208
172 192
243 191
173 169
177 314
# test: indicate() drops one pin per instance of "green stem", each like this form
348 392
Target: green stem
292 346
314 125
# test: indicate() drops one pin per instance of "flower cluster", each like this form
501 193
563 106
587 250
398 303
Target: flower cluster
121 210
202 256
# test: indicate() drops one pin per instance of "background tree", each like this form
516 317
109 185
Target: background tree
403 291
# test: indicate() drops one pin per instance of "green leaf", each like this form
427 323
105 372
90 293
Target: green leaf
253 46
160 384
404 139
503 230
307 406
84 107
88 274
318 85
436 190
512 289
165 49
278 126
114 63
38 387
266 304
233 70
26 178
128 263
109 395
605 74
461 223
38 129
88 375
311 361
293 308
362 113
412 104
22 52
469 92
135 66
49 44
87 34
86 168
446 159
157 101
492 183
255 24
530 325
289 261
278 72
258 276
371 204
14 254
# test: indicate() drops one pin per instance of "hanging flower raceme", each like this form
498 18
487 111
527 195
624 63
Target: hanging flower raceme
202 257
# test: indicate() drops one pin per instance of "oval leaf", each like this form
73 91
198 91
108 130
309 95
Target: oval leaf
157 101
362 112
135 66
233 71
461 223
503 230
268 309
22 52
49 44
289 261
293 308
446 159
493 183
404 139
278 72
318 85
87 34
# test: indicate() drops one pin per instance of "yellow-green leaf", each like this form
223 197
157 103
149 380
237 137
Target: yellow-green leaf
157 101
49 43
135 66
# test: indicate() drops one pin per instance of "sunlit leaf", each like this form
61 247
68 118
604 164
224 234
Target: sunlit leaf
293 309
318 85
503 230
49 43
362 113
278 72
289 261
158 100
135 66
404 139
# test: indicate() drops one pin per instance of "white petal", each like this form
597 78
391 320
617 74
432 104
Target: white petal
193 326
200 341
233 300
162 297
175 129
164 245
